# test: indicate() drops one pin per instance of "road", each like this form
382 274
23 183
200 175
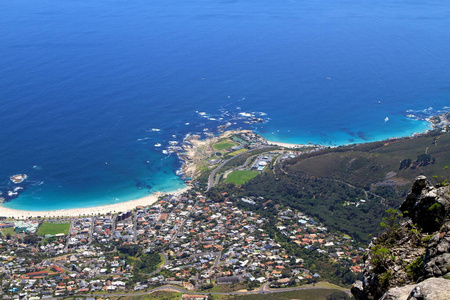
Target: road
219 256
211 179
66 248
134 218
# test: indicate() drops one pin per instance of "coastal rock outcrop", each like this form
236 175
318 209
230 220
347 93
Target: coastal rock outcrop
411 260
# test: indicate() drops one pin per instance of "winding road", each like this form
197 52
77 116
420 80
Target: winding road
212 181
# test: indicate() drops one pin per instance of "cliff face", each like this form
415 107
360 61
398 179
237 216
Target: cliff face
411 260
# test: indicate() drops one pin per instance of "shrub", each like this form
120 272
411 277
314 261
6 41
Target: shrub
380 257
384 278
414 269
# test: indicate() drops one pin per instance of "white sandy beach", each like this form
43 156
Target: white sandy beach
288 145
112 208
189 168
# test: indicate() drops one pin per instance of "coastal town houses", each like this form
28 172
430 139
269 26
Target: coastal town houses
201 243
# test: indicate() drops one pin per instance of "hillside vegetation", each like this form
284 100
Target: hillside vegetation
386 168
347 187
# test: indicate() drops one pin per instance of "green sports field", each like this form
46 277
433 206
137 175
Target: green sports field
54 228
241 177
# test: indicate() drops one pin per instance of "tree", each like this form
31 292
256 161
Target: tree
405 164
423 159
31 239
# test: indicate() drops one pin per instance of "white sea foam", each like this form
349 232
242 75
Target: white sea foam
143 139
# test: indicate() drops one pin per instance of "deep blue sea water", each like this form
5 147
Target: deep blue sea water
84 82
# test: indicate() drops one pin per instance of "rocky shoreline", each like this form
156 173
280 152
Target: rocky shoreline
196 151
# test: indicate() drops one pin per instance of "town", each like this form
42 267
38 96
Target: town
196 243
187 241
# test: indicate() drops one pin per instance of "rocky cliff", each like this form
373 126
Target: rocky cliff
411 260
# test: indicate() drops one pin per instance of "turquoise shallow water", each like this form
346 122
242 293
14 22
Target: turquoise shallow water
83 83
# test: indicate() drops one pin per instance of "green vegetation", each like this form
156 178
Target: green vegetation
226 288
224 144
329 184
144 263
54 228
414 269
426 239
240 160
338 295
8 231
148 262
380 257
323 199
386 168
234 153
391 224
434 207
385 277
241 177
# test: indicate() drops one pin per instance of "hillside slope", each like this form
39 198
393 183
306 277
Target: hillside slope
411 260
386 168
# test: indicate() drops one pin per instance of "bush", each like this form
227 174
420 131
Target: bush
380 257
414 269
384 278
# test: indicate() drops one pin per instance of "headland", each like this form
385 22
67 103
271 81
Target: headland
196 156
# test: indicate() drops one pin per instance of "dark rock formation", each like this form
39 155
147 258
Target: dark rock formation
437 259
400 259
426 205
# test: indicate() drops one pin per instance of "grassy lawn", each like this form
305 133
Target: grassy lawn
54 228
163 261
241 177
237 152
327 285
224 144
226 288
9 230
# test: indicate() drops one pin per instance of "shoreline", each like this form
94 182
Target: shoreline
94 210
191 147
193 153
436 122
289 145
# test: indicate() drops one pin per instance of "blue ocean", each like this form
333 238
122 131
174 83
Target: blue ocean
88 88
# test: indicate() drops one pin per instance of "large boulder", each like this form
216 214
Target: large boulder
430 289
437 258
